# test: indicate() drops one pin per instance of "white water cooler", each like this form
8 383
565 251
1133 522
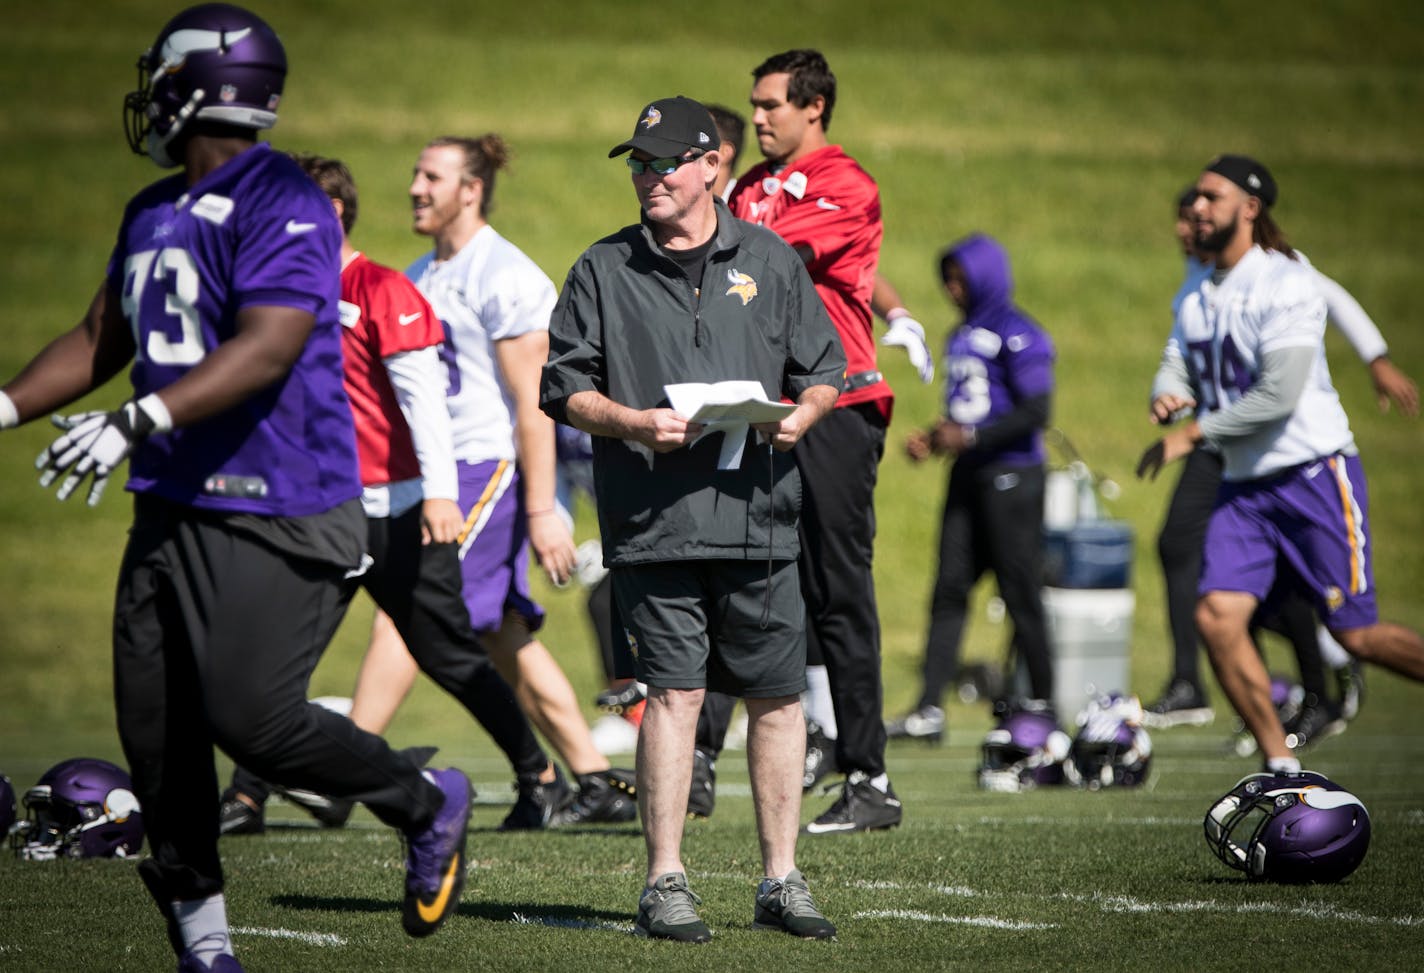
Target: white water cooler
1090 631
1087 598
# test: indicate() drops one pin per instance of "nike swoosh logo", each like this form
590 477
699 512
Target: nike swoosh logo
436 908
293 227
825 203
405 319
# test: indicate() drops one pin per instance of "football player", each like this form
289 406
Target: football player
222 294
1247 354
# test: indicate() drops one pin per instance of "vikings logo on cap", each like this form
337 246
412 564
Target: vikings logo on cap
652 118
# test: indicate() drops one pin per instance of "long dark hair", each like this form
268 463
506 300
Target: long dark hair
1268 236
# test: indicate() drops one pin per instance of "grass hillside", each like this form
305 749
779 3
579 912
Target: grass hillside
1065 131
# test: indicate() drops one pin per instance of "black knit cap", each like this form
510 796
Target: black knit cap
1247 173
669 127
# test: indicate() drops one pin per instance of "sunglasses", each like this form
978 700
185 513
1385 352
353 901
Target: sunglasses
663 167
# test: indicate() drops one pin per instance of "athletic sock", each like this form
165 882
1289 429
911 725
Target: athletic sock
1331 651
818 700
203 925
881 782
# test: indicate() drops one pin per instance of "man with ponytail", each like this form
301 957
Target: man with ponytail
1247 354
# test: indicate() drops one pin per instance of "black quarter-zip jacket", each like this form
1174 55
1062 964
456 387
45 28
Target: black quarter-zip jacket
629 321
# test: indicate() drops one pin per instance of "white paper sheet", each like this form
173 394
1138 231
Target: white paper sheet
728 408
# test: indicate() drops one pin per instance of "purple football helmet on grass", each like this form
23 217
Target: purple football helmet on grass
1111 749
81 808
1024 751
214 62
1289 828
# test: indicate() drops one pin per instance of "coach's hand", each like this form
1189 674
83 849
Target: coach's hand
95 443
663 430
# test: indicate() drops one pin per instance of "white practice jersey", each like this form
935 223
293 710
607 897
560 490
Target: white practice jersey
1341 308
488 292
1267 302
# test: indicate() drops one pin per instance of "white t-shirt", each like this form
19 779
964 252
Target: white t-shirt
1267 302
489 291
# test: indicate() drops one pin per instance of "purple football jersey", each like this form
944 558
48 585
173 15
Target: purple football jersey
256 231
997 358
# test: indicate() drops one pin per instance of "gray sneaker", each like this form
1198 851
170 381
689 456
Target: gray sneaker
787 907
667 910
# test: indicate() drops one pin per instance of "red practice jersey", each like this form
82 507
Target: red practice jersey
382 314
827 202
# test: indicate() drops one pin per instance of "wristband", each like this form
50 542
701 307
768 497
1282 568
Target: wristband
9 415
157 411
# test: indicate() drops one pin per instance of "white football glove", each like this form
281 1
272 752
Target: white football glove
96 443
909 334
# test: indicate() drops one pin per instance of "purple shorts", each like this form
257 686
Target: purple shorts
1308 524
494 548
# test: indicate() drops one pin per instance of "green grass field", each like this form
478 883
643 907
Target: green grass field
1066 131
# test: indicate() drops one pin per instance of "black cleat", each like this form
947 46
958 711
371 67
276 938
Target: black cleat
330 812
925 723
537 802
620 698
1318 719
607 797
820 756
239 817
861 807
1181 704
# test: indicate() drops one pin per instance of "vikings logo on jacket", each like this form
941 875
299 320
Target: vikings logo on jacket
742 285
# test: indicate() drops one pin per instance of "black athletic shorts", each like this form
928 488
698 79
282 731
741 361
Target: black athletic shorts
696 624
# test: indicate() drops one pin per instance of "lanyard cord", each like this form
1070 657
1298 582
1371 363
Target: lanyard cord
770 530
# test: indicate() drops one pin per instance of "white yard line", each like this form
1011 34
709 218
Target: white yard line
1124 904
988 922
569 922
310 938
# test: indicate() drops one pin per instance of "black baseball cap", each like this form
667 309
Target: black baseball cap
1247 173
668 127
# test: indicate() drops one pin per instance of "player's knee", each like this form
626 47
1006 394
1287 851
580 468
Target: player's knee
1217 622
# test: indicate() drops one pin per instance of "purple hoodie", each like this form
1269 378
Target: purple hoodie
997 357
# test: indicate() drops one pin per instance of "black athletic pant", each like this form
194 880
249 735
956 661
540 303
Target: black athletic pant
1179 545
839 461
216 636
992 521
419 587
